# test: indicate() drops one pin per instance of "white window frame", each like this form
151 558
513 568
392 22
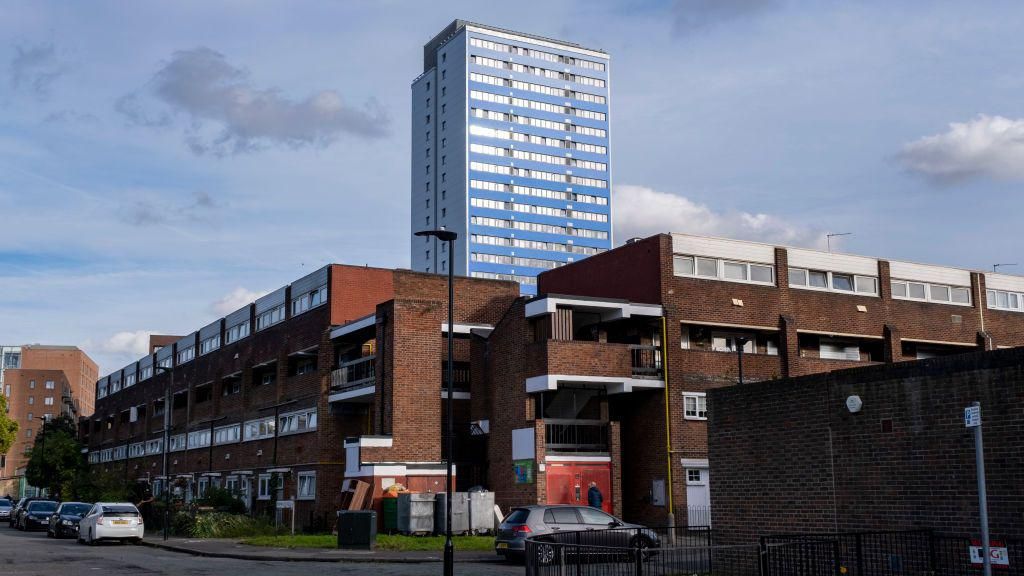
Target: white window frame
309 300
264 481
699 399
258 429
230 434
210 344
177 442
202 486
154 446
700 475
993 302
300 494
270 317
855 279
237 332
187 355
301 420
928 292
720 264
731 336
137 450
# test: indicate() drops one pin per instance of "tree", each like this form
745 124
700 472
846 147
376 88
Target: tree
56 460
8 427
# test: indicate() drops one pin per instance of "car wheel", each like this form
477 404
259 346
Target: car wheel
641 545
545 554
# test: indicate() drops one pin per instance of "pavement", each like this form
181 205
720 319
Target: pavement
231 548
33 554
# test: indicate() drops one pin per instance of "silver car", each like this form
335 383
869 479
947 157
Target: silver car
546 522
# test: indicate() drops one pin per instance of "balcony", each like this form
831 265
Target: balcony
576 436
354 381
619 368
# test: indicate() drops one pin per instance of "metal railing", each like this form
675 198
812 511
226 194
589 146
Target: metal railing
460 375
645 360
355 374
567 435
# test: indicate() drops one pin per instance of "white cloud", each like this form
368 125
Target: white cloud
990 146
229 115
642 211
234 300
128 343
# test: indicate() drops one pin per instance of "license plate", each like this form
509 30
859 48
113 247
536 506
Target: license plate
501 545
120 522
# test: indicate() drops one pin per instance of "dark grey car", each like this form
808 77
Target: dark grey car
540 521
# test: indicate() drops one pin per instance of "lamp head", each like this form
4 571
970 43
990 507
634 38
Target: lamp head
445 235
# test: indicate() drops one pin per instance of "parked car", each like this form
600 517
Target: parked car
6 507
540 520
111 521
36 515
64 521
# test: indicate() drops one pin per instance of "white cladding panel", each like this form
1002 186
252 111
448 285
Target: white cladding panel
1004 282
818 260
926 273
721 248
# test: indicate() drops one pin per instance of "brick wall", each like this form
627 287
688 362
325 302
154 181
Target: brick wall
787 456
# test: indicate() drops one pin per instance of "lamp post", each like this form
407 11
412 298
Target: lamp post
741 342
167 432
449 548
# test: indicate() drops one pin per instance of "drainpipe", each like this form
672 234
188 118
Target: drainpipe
668 433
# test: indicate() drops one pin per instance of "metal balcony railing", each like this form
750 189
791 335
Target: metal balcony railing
568 435
645 360
358 373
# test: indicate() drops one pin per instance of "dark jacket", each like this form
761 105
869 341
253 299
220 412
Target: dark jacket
594 497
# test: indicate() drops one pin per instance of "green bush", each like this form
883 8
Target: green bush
223 525
182 523
222 500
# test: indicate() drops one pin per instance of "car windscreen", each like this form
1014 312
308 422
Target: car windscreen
120 511
41 506
5 504
75 509
518 516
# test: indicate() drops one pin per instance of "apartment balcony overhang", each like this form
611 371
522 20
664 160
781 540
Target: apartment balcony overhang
611 384
466 328
354 326
354 381
610 309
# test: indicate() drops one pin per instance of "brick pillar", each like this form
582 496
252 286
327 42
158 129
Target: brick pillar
540 478
615 450
789 346
893 346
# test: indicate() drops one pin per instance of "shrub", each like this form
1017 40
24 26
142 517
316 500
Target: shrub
222 500
182 523
223 525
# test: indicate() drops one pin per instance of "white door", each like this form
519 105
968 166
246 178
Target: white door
698 497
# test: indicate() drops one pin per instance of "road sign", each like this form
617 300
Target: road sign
285 504
972 416
997 553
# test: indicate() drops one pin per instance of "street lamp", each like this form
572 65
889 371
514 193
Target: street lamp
449 548
741 342
167 432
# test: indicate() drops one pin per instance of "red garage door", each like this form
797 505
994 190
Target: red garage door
568 482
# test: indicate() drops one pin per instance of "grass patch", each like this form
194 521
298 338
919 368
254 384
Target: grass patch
384 542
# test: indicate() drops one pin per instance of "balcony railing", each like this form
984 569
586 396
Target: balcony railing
567 435
646 361
354 374
460 375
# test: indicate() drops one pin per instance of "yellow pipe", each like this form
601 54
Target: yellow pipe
668 421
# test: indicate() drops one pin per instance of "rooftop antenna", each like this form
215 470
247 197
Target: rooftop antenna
829 236
995 267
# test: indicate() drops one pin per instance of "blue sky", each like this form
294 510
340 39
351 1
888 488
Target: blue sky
163 163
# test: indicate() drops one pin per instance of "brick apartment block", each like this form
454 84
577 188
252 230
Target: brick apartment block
41 381
340 374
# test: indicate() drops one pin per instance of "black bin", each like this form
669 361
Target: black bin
357 529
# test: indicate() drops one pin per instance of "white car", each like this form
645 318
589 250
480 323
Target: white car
111 521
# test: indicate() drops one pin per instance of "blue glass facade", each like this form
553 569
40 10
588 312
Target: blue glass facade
510 150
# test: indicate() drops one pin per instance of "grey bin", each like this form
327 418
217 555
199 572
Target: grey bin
481 512
416 513
460 513
357 529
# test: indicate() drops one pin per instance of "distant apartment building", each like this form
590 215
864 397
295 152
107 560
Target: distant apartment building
594 378
41 382
510 149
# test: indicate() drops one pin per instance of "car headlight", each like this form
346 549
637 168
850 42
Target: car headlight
68 523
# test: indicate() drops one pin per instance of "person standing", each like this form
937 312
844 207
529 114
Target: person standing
594 497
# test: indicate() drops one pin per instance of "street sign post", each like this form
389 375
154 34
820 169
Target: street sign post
972 419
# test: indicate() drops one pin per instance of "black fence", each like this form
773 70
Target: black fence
693 551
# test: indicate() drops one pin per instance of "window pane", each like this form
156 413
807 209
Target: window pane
797 277
683 265
735 271
1002 299
818 279
1013 300
961 295
842 282
761 273
916 290
940 293
867 285
707 267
